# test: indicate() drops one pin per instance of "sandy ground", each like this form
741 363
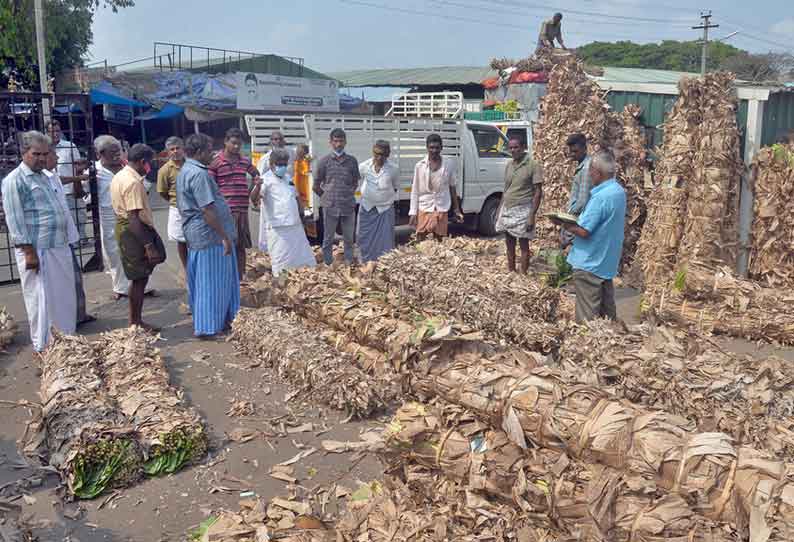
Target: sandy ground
213 376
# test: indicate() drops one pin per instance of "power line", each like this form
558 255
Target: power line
518 13
586 13
705 26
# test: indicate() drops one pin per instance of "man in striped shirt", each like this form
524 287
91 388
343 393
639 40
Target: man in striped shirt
230 170
38 228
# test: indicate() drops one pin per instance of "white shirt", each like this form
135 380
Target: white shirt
103 179
68 156
279 201
378 189
264 163
72 236
440 200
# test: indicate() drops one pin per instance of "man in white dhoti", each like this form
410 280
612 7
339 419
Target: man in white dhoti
277 141
286 240
38 227
110 154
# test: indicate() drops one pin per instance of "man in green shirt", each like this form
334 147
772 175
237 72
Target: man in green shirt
166 187
521 199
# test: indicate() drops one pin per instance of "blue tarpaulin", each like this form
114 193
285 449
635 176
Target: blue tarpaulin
106 93
168 111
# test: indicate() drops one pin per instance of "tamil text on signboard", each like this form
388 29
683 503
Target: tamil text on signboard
267 92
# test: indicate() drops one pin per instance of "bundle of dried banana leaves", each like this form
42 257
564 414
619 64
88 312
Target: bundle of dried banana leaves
590 502
573 103
537 406
543 61
687 375
771 257
657 253
257 265
134 373
89 439
714 300
710 231
445 282
8 328
321 372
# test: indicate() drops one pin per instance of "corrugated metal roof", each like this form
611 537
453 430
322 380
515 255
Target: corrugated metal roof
464 75
444 75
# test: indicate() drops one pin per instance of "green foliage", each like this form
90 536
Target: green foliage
563 272
509 106
178 447
667 55
203 527
680 280
99 465
68 35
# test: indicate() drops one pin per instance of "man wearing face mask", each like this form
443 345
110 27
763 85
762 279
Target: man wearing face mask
140 247
335 182
212 276
277 141
281 207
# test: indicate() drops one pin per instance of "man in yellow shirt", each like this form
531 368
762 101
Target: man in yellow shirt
140 246
166 187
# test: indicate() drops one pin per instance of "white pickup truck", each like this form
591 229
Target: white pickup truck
480 149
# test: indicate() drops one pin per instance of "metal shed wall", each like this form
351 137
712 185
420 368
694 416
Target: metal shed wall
778 116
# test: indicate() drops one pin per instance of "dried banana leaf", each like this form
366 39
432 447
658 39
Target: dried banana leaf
8 328
592 502
771 257
89 439
171 433
321 372
536 406
685 374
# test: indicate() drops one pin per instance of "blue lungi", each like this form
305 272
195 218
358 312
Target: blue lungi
213 289
375 233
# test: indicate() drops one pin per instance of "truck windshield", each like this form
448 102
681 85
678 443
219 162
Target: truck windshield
490 141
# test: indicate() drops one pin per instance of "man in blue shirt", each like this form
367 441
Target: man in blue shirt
210 232
598 242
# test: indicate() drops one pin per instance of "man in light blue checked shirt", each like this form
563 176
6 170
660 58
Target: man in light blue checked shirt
38 227
582 182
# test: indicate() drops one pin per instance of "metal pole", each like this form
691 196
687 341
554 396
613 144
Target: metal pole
706 16
41 49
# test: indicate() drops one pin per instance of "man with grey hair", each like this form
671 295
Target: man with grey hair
70 164
213 278
598 242
283 213
277 141
166 187
38 228
109 151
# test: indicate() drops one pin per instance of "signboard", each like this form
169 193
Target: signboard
118 114
267 92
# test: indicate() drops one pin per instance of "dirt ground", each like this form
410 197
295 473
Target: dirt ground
212 376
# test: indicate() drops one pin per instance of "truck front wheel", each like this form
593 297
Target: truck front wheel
488 215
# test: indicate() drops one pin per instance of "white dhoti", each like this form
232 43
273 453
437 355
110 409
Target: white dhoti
262 231
175 225
111 253
50 298
289 248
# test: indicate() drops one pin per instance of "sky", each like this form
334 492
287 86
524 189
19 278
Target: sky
340 35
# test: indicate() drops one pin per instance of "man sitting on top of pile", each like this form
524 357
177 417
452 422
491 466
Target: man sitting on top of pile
551 30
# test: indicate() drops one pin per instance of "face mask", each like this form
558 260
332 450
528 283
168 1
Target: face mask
280 171
340 152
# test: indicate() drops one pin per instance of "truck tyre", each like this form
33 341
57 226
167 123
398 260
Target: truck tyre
487 219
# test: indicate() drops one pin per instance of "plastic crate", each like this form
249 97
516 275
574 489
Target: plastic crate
484 115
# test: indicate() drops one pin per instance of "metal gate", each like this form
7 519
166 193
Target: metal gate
22 111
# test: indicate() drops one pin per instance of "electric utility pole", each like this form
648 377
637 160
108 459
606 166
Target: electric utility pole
38 14
706 16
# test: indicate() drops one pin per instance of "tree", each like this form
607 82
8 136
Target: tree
68 32
667 55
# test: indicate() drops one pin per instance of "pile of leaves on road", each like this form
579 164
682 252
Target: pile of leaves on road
320 372
134 373
109 415
771 257
8 328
